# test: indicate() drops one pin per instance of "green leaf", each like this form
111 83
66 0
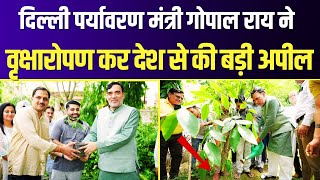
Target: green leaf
243 122
216 104
247 135
201 94
249 116
216 87
219 122
234 139
236 117
188 122
205 112
213 153
255 129
168 124
216 107
228 126
253 111
193 102
228 165
243 105
232 92
225 101
217 135
202 172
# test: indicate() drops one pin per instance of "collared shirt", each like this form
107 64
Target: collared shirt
167 108
114 132
64 133
30 143
305 105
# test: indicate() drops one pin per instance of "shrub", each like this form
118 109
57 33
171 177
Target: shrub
146 139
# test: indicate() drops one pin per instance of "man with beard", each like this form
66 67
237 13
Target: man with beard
69 129
30 140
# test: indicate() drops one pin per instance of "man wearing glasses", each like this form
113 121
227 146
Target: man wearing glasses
167 106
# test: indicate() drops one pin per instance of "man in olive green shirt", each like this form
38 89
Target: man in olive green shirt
113 135
282 137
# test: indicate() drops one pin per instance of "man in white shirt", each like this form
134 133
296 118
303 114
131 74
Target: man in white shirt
291 111
305 117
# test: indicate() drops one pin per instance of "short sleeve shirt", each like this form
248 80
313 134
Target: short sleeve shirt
64 133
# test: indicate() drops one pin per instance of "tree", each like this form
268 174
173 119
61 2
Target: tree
134 91
165 86
12 91
66 89
214 96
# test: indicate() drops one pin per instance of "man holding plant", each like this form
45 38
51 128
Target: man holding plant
69 129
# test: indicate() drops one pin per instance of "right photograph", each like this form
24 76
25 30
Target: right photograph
239 129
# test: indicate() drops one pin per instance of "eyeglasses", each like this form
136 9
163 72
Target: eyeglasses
179 97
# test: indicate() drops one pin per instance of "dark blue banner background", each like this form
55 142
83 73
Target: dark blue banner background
305 35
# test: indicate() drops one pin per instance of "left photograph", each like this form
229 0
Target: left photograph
55 130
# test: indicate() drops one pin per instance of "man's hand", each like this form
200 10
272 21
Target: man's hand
90 147
5 157
313 148
203 125
156 171
303 130
52 156
68 158
84 158
69 151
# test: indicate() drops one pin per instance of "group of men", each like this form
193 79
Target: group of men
274 122
112 134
